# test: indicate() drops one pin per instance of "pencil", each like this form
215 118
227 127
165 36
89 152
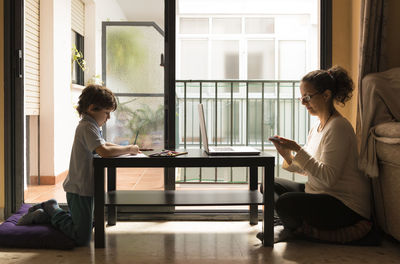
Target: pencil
137 134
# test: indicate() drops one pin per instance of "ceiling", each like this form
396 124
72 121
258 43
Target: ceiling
139 10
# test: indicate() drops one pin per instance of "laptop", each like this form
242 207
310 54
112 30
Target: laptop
223 150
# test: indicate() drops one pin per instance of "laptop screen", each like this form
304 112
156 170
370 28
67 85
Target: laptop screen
203 130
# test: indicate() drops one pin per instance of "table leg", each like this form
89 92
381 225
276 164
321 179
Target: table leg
268 207
99 228
253 185
111 186
169 184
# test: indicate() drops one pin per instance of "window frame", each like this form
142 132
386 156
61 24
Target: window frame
77 74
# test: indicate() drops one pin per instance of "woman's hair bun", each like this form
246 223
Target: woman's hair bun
343 84
335 79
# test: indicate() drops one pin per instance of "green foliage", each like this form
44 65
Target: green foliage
148 120
77 57
124 51
143 120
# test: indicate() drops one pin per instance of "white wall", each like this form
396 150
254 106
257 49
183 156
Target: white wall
97 11
149 10
63 110
46 88
56 109
90 40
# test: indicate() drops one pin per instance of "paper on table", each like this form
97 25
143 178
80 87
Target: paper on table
139 155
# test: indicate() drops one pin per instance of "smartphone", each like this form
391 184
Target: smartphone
274 139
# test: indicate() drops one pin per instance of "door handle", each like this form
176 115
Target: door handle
162 63
20 64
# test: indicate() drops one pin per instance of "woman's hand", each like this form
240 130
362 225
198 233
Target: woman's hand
284 147
134 149
285 143
285 153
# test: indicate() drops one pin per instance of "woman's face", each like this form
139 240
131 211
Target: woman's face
314 101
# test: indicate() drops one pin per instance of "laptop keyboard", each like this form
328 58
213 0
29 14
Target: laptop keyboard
222 149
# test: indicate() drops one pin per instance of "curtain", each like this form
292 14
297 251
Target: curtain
372 56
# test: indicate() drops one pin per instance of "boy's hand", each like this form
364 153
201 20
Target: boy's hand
134 149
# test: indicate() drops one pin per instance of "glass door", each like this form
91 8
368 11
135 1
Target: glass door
133 68
133 55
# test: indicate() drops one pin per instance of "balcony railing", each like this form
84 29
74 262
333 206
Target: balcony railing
237 113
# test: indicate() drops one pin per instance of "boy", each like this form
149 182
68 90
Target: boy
94 107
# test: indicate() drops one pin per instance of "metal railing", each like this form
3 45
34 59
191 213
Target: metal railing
238 112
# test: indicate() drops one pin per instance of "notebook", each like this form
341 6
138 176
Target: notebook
223 150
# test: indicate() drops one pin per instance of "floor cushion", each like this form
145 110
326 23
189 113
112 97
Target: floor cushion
31 236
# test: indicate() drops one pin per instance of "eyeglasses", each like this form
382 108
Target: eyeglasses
307 98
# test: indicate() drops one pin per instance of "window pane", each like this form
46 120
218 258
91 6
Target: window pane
133 67
74 65
294 25
261 59
227 26
254 107
133 59
292 59
193 26
194 59
188 104
138 120
225 59
259 25
224 111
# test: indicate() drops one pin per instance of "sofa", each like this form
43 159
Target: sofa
379 135
386 187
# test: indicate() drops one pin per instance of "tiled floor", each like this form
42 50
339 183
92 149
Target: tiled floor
201 242
189 242
128 179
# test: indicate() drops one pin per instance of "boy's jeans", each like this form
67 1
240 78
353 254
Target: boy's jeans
78 223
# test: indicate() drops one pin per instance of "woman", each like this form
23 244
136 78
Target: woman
336 195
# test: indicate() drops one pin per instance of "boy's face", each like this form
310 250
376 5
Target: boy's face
101 116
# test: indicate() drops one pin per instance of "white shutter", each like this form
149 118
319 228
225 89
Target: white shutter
78 16
31 58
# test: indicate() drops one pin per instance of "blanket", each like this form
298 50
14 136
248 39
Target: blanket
379 103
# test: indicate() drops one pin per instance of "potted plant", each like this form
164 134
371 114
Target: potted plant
144 125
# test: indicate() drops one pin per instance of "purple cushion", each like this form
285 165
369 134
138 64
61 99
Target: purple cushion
31 236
